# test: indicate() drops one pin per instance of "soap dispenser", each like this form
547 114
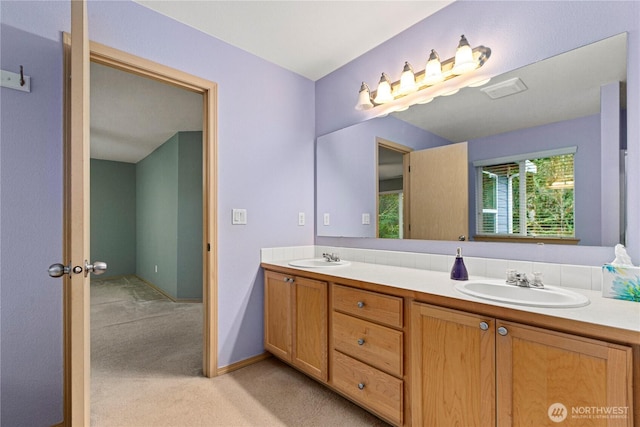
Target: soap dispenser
459 271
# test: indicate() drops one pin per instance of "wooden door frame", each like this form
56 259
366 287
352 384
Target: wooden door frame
126 62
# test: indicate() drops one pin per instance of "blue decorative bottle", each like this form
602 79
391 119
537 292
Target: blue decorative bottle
459 271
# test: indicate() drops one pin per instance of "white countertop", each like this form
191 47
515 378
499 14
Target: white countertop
600 311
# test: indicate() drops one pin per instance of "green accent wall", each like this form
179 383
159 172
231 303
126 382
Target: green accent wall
169 216
113 216
190 243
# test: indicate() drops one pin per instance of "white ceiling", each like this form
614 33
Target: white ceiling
311 38
131 116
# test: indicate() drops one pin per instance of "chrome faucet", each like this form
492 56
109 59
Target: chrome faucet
521 279
331 257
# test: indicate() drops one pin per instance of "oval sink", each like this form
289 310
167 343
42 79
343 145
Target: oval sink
317 262
497 290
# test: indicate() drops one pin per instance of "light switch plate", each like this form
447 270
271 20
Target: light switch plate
325 219
239 217
366 219
300 218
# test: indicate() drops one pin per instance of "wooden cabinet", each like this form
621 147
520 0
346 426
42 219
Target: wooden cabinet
537 368
367 350
473 370
422 364
295 322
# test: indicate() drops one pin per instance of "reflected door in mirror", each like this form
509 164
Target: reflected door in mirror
438 193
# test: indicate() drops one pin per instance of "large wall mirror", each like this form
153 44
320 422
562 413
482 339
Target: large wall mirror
461 148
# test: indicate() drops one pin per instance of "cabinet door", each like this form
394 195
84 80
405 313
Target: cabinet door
546 378
453 367
310 327
278 294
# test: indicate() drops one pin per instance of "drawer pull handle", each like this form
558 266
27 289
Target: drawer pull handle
360 304
361 341
361 386
503 331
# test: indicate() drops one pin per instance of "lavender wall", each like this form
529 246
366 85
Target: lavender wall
266 137
31 232
583 133
519 33
346 172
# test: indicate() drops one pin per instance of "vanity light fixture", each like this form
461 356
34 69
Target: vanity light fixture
407 80
435 72
464 58
383 94
364 98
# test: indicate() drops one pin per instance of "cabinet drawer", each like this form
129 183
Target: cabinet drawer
376 345
368 386
368 305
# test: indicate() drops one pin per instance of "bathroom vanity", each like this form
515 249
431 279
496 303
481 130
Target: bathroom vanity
404 344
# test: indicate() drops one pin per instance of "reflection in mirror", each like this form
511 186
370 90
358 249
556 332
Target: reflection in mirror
570 100
391 188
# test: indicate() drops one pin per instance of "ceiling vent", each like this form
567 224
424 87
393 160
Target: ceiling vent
505 88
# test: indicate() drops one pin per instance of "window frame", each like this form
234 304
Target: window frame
521 235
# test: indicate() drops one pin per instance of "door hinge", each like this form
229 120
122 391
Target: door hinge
409 168
208 247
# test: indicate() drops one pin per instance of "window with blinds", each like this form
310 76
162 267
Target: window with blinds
529 195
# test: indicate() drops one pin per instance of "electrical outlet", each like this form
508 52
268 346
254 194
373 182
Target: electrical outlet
326 220
366 219
300 218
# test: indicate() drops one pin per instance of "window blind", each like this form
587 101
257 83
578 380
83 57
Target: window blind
528 197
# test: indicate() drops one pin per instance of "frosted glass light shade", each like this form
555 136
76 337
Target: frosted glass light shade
364 98
464 58
383 94
433 70
407 80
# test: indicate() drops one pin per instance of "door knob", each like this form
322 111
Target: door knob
59 270
97 268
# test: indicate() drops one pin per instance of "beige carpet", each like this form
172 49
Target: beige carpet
146 371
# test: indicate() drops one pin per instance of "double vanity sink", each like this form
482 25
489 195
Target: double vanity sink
353 326
493 290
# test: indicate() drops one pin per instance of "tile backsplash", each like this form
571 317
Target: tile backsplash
571 276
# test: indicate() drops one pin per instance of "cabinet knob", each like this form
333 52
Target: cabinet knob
361 341
484 326
360 304
288 279
503 331
361 386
